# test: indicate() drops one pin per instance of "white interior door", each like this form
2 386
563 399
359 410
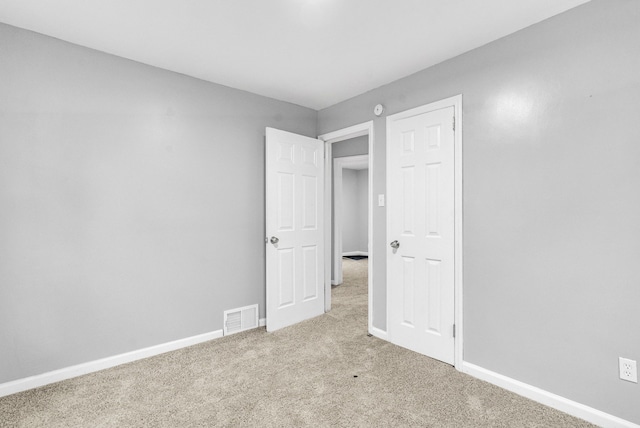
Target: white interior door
420 201
295 228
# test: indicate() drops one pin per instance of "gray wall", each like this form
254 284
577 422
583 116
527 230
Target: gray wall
354 210
132 203
352 147
551 201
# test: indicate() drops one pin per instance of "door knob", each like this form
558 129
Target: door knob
274 240
395 245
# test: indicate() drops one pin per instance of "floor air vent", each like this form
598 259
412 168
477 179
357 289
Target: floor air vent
240 319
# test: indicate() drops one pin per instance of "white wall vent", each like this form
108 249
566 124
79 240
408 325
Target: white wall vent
240 319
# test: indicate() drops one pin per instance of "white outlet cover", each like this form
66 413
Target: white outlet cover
628 370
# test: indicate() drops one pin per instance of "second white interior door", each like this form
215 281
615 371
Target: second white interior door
420 271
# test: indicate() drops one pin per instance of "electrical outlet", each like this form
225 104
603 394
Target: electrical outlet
628 370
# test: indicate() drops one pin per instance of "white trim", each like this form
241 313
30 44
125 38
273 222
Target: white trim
338 165
355 253
347 133
327 222
358 130
456 103
380 334
262 322
547 398
24 384
458 230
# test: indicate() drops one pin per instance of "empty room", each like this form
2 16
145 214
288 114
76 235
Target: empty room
319 213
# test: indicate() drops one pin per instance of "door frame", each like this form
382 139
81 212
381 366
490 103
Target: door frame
338 165
365 128
456 103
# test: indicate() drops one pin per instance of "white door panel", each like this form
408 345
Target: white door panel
295 228
420 174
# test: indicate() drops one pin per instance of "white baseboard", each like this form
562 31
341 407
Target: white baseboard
31 382
355 253
380 334
262 322
565 405
335 282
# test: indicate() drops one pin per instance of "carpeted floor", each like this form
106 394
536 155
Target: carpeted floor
322 372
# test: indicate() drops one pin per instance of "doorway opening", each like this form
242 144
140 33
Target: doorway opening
350 209
361 137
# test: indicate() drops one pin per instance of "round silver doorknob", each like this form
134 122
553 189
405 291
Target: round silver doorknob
274 240
395 244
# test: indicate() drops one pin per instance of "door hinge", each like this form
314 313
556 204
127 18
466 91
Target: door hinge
454 330
454 123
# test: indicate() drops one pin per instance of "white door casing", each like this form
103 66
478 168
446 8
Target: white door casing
294 168
365 128
421 217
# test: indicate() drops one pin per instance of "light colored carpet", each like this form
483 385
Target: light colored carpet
322 372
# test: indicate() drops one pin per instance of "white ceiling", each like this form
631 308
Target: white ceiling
314 53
